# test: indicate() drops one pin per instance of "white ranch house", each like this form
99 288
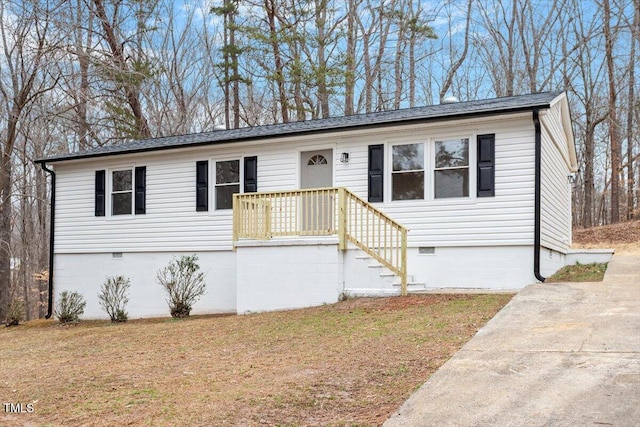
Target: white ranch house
458 195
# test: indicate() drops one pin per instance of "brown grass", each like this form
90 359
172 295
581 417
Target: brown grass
579 273
350 363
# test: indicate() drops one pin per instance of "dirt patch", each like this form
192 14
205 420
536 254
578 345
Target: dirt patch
351 363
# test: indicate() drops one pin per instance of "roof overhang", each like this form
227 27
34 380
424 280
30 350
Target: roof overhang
435 113
565 116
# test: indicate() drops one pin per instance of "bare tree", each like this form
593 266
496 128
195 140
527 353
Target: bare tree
451 72
498 44
632 107
587 87
25 50
613 119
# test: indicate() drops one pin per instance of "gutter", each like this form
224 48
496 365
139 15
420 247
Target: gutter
52 223
538 201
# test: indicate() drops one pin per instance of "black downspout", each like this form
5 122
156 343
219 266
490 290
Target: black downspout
52 224
538 202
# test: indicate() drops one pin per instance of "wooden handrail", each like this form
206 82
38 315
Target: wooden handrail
321 212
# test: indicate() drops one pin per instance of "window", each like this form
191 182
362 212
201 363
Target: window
451 172
227 183
407 176
121 192
318 159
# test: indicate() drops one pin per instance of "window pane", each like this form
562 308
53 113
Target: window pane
228 172
408 186
408 157
224 196
452 153
122 180
452 183
121 204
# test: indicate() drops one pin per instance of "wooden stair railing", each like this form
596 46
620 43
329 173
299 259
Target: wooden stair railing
322 212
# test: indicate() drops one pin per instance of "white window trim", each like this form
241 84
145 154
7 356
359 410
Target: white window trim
213 208
389 166
472 167
429 169
109 201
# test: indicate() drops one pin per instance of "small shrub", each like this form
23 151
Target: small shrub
15 312
113 297
70 307
344 295
184 283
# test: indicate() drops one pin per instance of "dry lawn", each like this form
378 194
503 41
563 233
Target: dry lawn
351 363
579 273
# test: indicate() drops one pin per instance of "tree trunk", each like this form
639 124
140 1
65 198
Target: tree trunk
454 68
613 120
235 71
6 216
270 8
589 148
321 73
631 102
350 71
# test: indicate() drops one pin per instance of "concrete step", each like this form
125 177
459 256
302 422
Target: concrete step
412 286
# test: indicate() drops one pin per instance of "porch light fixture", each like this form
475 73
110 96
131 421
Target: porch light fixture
572 178
344 158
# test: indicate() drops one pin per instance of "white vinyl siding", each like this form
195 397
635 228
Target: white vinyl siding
172 224
555 186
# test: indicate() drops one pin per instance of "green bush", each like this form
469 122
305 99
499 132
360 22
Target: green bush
113 297
15 312
184 283
70 307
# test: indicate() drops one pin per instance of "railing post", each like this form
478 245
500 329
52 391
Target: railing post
403 264
342 218
267 220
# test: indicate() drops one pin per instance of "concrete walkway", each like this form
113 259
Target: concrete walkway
556 355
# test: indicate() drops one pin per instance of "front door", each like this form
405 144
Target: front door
316 171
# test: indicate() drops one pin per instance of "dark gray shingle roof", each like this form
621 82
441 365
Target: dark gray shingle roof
383 118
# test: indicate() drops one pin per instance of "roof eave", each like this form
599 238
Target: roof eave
445 117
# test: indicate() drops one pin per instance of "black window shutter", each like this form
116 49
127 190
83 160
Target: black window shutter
100 192
141 190
376 173
202 186
250 174
486 165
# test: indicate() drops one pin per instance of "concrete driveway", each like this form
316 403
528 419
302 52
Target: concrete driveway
556 355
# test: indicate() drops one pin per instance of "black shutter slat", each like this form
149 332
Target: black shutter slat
100 193
250 174
486 165
202 186
376 173
141 190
